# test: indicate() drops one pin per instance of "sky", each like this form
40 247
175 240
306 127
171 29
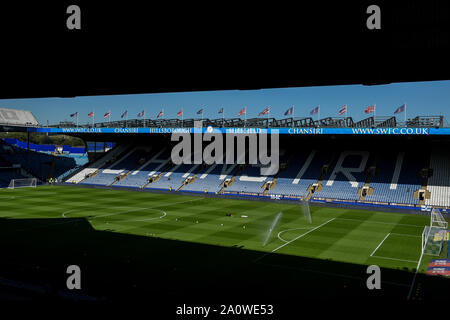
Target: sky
421 98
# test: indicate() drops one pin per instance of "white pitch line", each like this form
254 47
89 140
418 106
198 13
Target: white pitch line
415 275
380 244
137 209
390 223
296 238
406 235
279 233
381 257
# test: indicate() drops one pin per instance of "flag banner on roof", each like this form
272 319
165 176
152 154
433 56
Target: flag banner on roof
160 114
221 110
74 114
124 114
243 111
315 110
200 111
141 114
370 109
90 115
107 114
400 109
289 111
343 110
180 113
265 111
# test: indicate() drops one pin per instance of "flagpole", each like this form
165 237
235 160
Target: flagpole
375 115
318 116
245 117
293 115
182 118
77 119
405 114
223 116
346 114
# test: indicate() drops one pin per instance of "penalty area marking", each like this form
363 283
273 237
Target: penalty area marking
127 211
389 258
135 209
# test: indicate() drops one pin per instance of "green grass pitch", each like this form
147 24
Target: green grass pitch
357 236
360 237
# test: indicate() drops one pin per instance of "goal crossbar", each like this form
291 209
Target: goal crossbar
23 183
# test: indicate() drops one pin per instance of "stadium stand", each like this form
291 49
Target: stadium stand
93 167
40 165
439 182
318 174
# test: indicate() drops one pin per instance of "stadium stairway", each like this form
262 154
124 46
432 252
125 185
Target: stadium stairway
190 179
439 182
91 169
317 187
366 189
229 182
269 185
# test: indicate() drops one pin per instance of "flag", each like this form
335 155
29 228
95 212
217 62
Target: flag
90 115
315 110
221 110
180 113
243 111
160 114
343 110
124 114
108 114
400 109
74 114
265 111
370 109
141 114
289 111
200 111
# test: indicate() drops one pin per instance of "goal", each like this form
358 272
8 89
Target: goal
22 183
437 220
434 234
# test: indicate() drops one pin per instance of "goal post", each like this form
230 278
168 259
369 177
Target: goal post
23 183
437 220
433 235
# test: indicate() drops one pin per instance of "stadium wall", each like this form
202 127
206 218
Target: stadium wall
43 147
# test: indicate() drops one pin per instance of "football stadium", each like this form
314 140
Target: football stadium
346 194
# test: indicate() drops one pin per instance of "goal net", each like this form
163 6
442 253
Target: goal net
437 220
432 240
22 183
434 234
